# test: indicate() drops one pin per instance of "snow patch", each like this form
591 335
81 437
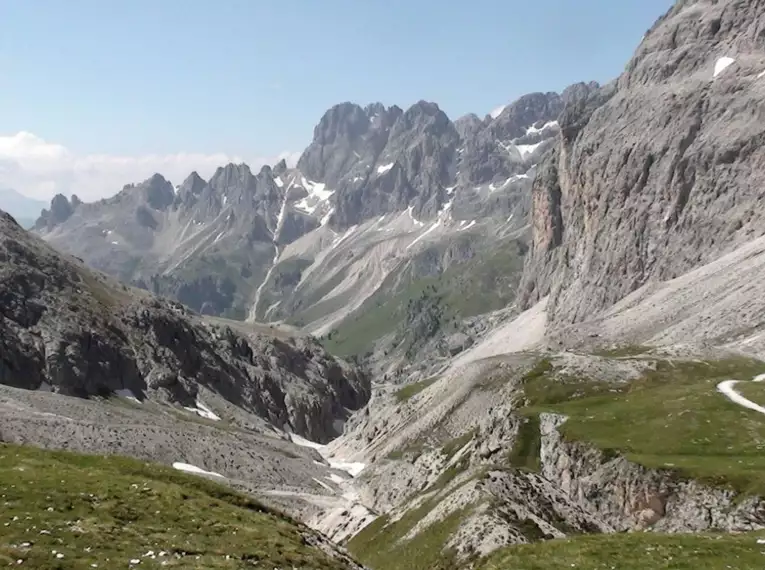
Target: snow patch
194 469
327 487
203 411
384 168
128 394
467 227
336 479
722 64
425 233
497 112
279 182
761 75
325 219
527 149
350 467
410 209
343 237
317 193
532 129
115 243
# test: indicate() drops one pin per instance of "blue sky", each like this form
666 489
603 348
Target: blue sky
251 78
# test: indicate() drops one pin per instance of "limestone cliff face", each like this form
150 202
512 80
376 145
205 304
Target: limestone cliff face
626 496
658 172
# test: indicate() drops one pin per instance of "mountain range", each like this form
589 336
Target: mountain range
528 340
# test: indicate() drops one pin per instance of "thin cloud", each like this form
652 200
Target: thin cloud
40 169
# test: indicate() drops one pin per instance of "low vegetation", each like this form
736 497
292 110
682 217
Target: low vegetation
625 351
634 551
68 511
525 454
381 544
672 417
411 390
414 308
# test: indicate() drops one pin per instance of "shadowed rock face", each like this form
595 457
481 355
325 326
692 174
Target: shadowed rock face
63 326
659 172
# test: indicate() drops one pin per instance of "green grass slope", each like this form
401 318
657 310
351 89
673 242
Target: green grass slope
67 511
672 418
635 551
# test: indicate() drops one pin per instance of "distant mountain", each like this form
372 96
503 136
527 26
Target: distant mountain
26 210
376 188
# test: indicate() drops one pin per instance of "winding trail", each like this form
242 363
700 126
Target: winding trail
728 390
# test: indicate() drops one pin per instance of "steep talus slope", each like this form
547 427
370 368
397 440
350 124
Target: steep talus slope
78 333
659 172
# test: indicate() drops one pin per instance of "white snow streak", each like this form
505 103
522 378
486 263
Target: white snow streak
352 468
497 112
343 237
327 487
721 64
761 75
279 223
548 125
527 149
384 168
727 389
467 227
194 469
278 181
128 394
426 232
203 411
325 219
410 209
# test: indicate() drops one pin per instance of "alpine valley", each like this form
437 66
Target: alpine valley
525 341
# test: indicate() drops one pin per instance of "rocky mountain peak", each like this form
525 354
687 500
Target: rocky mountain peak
468 125
233 175
158 192
423 115
61 209
518 116
280 168
190 189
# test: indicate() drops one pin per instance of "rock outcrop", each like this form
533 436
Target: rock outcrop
628 497
78 333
